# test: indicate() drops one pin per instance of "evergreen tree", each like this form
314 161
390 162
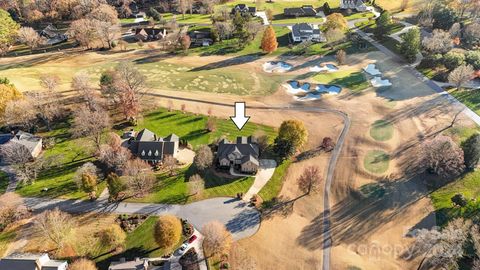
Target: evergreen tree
410 45
471 151
8 31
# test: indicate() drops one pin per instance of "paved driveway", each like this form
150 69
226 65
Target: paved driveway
242 221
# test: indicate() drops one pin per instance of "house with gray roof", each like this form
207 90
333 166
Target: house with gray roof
30 261
357 5
242 155
307 32
244 9
31 142
303 11
152 148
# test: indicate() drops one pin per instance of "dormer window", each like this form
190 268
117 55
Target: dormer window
149 153
143 152
156 153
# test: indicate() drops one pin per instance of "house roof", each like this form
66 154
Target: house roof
244 8
29 261
251 159
147 145
26 139
353 2
146 135
306 10
244 146
149 31
304 29
129 265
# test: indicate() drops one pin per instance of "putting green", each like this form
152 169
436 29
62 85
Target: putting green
381 130
376 161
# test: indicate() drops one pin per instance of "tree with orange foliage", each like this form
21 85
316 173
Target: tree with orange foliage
269 40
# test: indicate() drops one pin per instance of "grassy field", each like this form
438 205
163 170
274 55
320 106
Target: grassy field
193 18
381 130
173 189
274 185
69 153
470 98
191 127
353 80
376 161
6 237
139 243
370 26
469 186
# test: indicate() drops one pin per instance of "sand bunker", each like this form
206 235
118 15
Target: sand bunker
378 82
324 68
276 67
307 92
372 70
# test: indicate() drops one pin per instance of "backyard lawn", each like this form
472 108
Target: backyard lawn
470 98
139 243
188 18
351 79
173 189
274 185
68 155
469 186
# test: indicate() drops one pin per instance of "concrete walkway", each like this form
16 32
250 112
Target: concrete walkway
265 172
263 16
242 221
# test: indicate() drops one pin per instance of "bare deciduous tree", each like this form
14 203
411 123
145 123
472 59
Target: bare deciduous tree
217 239
441 248
169 163
442 156
50 81
130 86
341 57
224 29
90 124
81 84
113 154
84 32
140 177
309 180
55 226
30 37
86 178
20 112
47 106
196 185
440 42
204 158
461 75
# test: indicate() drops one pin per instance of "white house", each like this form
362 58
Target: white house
307 32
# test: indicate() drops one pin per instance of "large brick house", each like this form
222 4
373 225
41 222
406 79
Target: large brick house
242 155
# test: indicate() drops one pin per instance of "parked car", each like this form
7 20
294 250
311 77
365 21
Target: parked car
183 248
191 239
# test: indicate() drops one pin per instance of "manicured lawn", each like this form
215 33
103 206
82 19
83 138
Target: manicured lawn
194 18
69 154
351 79
392 45
173 189
278 6
359 15
191 127
280 19
370 25
4 179
381 130
471 98
139 243
376 161
469 186
274 185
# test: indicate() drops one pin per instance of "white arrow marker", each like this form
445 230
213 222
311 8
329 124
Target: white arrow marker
240 119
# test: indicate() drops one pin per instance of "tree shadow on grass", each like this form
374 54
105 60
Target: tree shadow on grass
192 135
237 60
357 216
